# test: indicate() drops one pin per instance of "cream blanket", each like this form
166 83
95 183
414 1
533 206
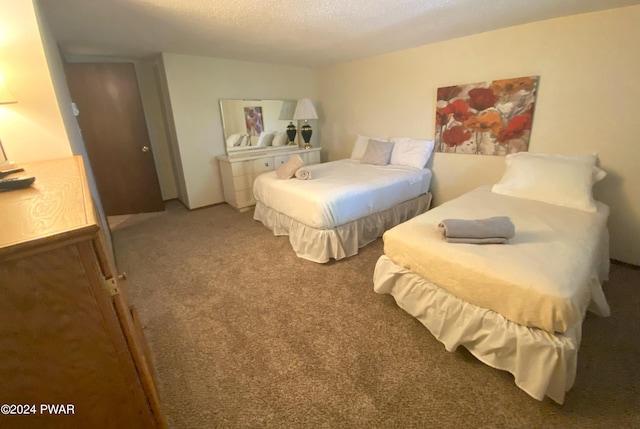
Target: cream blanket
545 278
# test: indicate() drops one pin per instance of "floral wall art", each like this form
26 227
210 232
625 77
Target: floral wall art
486 118
253 119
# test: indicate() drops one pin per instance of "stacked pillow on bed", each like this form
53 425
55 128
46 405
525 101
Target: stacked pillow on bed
563 180
397 151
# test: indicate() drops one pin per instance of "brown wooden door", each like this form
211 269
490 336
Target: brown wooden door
115 134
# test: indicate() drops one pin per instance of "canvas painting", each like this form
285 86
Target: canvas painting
486 118
253 119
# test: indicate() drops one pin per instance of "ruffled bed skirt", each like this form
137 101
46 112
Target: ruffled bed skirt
319 245
542 363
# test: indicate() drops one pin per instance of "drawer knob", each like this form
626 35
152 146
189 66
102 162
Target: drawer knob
266 164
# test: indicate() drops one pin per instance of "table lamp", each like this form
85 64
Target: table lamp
305 111
286 113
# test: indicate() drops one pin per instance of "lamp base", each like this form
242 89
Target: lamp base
291 133
305 132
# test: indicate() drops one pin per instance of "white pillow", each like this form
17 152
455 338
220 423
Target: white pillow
563 180
280 139
589 158
234 140
410 152
378 152
360 146
265 139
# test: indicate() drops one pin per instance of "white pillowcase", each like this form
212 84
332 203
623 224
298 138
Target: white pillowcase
280 139
410 152
360 146
234 140
563 180
265 139
377 153
589 158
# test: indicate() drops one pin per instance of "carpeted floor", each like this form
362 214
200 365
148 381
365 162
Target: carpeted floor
244 334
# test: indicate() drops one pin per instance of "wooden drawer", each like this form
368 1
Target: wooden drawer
308 158
245 198
243 182
262 165
241 168
279 160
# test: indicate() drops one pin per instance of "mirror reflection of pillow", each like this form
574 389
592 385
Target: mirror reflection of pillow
280 139
234 140
265 139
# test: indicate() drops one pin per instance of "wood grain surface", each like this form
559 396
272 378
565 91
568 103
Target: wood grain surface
56 206
63 340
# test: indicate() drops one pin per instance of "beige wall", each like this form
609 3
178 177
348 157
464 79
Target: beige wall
194 86
589 68
33 129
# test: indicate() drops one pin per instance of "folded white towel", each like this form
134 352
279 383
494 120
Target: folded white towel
496 230
288 169
303 173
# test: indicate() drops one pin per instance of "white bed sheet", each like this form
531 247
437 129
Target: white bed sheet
545 277
341 191
320 245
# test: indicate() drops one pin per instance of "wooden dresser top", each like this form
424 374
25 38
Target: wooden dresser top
56 207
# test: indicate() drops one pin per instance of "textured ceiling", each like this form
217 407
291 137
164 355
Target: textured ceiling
294 32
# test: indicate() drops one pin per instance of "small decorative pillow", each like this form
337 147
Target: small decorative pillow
280 139
234 140
410 152
360 146
563 180
265 138
288 169
377 153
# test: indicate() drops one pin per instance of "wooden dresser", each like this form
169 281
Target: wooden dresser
68 337
239 171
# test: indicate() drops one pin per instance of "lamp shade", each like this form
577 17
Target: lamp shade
6 97
305 110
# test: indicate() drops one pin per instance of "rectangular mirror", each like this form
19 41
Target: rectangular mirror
244 121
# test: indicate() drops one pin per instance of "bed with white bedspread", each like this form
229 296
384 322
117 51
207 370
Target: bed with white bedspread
518 306
345 204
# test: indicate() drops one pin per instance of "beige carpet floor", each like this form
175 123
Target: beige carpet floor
244 334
